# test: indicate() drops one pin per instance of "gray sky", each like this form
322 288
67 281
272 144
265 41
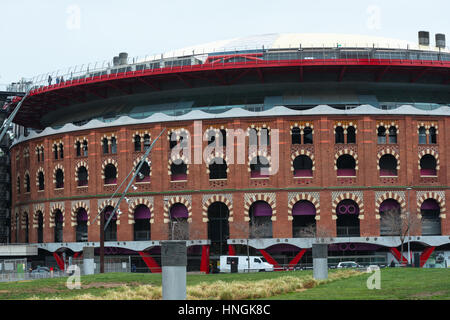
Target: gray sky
47 35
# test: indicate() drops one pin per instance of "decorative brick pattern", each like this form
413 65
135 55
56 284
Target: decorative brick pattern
209 199
250 198
294 197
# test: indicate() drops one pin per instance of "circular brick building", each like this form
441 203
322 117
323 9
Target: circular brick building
272 142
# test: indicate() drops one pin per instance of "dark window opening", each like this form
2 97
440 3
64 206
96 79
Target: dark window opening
260 223
113 145
259 167
346 166
296 135
61 150
422 135
178 171
78 148
110 174
85 148
137 143
218 169
143 174
27 183
142 226
304 220
41 180
391 223
393 135
347 222
146 141
82 226
388 166
55 151
218 227
428 165
381 135
351 134
179 225
40 228
307 135
111 229
303 166
59 177
82 176
339 135
431 220
433 135
58 230
105 147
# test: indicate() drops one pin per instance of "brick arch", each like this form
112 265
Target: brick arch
53 208
58 166
300 197
178 133
107 203
431 195
80 140
216 130
75 207
389 195
79 165
133 205
259 153
348 196
391 152
141 134
40 169
217 198
346 151
430 152
105 163
174 200
136 162
38 208
260 197
303 153
177 157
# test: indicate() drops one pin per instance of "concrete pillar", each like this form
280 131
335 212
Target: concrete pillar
174 262
320 261
88 260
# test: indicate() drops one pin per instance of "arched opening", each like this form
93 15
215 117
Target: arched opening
346 166
351 134
428 165
59 178
217 169
253 137
61 151
144 173
347 223
179 225
422 135
137 143
110 174
105 147
433 135
178 170
388 166
259 167
82 175
296 135
142 217
304 220
41 184
40 227
392 135
78 148
111 229
18 185
58 230
27 183
303 167
85 148
27 228
264 138
381 135
339 135
113 145
218 227
55 151
431 220
146 141
390 219
307 135
260 224
82 226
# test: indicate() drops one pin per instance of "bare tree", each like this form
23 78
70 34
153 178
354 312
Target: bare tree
395 223
312 231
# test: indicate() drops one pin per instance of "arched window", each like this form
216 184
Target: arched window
388 166
303 166
61 150
346 166
55 151
218 227
18 185
78 148
253 137
111 228
59 177
82 175
179 226
422 135
433 135
381 135
85 148
339 135
146 141
347 222
307 135
41 184
105 147
58 230
110 174
392 135
142 225
264 138
178 170
144 173
296 135
259 167
351 134
113 145
40 227
390 218
260 224
304 220
217 169
431 220
137 143
428 165
82 226
27 182
27 228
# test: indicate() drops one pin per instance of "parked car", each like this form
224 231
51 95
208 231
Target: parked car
40 271
348 264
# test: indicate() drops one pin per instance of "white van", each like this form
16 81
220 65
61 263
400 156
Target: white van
229 264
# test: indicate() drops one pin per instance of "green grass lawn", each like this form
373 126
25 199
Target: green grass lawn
397 283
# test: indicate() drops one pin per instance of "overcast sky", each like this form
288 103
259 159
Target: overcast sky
46 35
